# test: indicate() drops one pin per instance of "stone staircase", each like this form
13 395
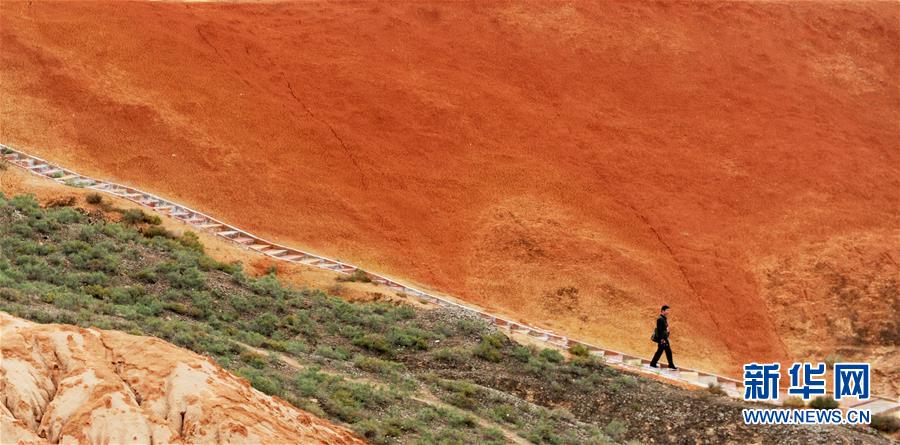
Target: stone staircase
203 222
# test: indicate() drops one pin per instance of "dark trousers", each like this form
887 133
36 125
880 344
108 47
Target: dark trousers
663 346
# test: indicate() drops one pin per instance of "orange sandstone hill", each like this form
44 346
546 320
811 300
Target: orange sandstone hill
569 164
63 384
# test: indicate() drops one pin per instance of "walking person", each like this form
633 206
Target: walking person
661 337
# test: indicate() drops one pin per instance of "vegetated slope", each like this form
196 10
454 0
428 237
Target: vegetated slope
394 373
64 384
572 165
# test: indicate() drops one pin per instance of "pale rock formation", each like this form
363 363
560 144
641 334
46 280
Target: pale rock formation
64 384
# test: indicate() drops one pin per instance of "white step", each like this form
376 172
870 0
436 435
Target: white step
707 380
878 406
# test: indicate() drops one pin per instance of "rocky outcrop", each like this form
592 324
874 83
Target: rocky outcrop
64 384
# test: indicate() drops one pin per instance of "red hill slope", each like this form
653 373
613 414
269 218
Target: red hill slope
570 164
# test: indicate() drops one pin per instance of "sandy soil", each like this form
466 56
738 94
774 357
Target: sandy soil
572 165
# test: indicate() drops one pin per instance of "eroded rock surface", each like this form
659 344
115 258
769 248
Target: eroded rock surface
64 384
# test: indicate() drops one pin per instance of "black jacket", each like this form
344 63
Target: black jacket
662 328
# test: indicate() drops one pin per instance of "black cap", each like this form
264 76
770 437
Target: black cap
664 307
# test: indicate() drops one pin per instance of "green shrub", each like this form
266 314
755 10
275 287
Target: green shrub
357 275
93 198
378 432
97 291
119 232
544 431
253 359
468 326
625 380
373 342
409 337
25 203
127 295
506 413
886 423
591 362
191 241
824 402
157 231
334 353
453 356
74 246
536 366
716 390
490 347
521 354
793 402
268 286
616 429
402 312
65 215
460 419
98 257
149 309
262 382
461 393
133 217
185 277
274 345
12 295
348 401
146 275
265 324
183 309
376 365
832 359
296 347
36 268
552 355
579 350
